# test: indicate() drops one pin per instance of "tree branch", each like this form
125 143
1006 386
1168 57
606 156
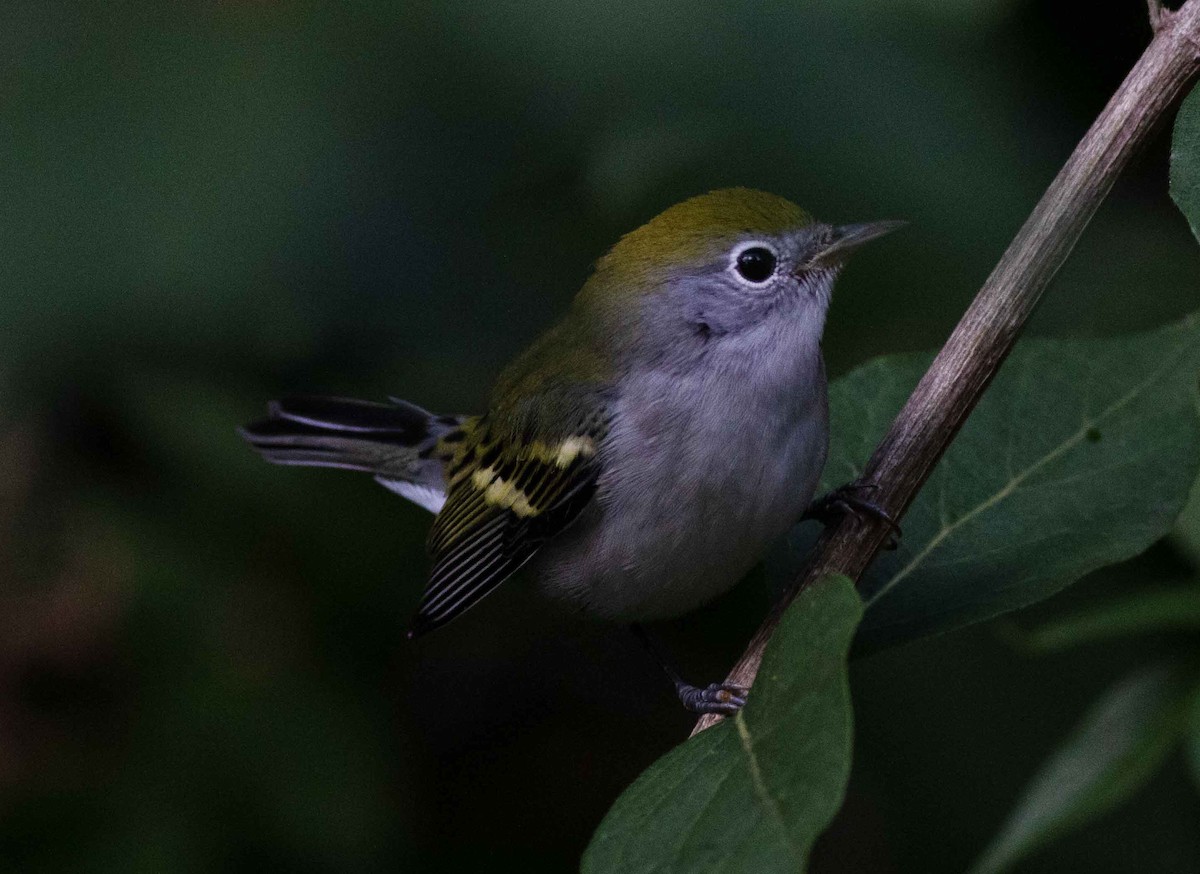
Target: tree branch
983 338
1158 14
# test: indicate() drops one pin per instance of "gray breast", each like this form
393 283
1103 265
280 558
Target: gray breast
703 469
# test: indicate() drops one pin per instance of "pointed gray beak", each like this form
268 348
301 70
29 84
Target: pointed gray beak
847 238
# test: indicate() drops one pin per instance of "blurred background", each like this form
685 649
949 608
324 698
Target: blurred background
208 204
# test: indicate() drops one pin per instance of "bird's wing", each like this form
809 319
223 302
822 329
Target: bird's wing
505 497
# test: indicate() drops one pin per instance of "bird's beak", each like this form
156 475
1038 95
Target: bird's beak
847 238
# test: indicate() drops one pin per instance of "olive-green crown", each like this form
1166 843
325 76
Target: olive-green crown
695 230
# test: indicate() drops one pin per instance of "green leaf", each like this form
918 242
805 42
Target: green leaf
1115 749
1081 454
1186 535
1175 609
753 792
1193 731
1185 160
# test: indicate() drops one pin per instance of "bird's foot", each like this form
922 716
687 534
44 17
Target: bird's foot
723 698
848 498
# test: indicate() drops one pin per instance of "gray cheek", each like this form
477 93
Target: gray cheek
694 309
723 308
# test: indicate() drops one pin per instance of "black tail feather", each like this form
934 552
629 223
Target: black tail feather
285 442
383 439
407 422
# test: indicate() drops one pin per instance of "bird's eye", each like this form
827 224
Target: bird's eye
756 264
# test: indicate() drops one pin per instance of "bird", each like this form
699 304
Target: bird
643 453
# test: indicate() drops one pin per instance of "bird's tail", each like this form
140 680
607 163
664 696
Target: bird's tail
399 443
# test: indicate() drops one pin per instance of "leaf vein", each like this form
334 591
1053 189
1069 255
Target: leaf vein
760 786
1016 481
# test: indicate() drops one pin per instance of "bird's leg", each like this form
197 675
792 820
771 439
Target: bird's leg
723 698
848 498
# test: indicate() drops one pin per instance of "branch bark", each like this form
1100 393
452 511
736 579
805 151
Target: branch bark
1157 14
983 338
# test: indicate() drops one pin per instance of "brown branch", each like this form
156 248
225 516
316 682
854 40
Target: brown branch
1158 14
964 368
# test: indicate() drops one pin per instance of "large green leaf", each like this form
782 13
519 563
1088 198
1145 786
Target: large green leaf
1185 160
1081 454
1113 751
1186 535
1175 609
1193 741
1185 189
752 793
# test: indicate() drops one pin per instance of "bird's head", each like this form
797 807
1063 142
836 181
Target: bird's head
720 264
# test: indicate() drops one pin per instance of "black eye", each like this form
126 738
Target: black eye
756 264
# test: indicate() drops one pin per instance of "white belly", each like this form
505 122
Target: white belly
701 473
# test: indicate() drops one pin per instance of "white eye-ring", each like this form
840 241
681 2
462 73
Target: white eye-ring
754 263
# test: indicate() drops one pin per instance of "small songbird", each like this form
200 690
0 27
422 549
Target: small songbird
642 454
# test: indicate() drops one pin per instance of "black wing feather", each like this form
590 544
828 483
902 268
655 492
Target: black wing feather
504 503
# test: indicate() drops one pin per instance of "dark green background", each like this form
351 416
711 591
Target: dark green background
207 204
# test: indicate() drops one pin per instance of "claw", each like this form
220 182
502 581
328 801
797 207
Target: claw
723 698
831 507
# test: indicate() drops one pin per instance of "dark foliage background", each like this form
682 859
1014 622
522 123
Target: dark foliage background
207 204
